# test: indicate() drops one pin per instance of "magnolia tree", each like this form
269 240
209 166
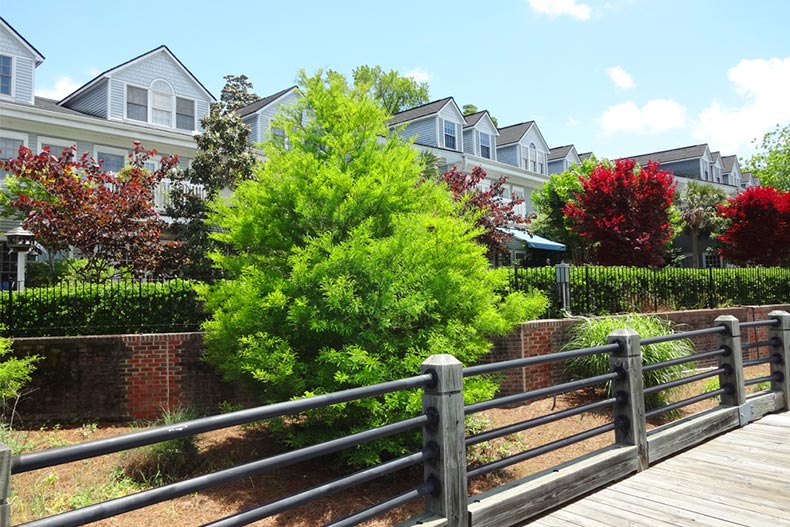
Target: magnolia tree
109 218
485 206
624 213
757 227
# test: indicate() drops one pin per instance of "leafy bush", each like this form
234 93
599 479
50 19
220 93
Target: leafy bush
594 332
347 268
79 308
14 374
165 461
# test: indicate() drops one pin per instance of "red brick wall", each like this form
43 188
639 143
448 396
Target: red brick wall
540 337
121 377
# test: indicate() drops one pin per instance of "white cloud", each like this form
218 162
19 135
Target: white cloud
419 75
573 123
620 77
655 117
555 8
63 87
764 86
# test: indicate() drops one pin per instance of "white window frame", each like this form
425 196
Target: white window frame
55 141
150 106
194 113
490 150
445 134
111 150
11 95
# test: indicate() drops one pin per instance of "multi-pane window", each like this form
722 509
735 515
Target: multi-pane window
161 103
5 75
185 114
137 103
533 158
165 108
485 145
110 162
449 134
9 148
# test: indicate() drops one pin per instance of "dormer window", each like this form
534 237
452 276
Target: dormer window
159 105
485 145
5 75
449 134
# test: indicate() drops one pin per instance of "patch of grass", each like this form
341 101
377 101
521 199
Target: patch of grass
166 461
590 333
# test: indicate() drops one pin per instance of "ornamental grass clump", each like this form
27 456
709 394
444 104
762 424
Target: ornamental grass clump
589 333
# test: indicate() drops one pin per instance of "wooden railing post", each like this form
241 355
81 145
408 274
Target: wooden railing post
445 402
629 390
733 362
781 332
5 485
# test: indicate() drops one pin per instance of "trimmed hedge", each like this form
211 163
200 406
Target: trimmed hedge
95 309
597 290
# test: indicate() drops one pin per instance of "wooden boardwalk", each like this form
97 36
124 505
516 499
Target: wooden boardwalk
741 478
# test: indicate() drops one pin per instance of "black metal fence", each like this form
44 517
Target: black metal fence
80 308
596 290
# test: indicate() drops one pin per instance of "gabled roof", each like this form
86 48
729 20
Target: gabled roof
514 133
23 41
559 152
473 119
262 103
668 156
420 111
715 156
52 105
107 73
584 156
728 163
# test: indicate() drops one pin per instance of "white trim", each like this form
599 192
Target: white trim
116 69
111 150
123 130
55 141
12 87
10 134
38 58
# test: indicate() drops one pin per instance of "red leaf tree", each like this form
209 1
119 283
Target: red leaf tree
623 212
757 227
489 208
108 218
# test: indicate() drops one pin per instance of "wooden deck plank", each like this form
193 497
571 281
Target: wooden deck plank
741 478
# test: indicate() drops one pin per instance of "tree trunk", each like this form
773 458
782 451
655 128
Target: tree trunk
694 235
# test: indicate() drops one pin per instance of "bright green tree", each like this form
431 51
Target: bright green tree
394 91
697 206
347 268
771 162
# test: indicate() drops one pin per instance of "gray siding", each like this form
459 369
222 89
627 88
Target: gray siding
557 166
203 107
268 113
423 132
252 121
23 92
470 140
160 66
94 102
117 98
508 154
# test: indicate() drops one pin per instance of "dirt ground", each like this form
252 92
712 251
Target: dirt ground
48 491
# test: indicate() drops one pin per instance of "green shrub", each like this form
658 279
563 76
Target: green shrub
594 332
79 308
166 461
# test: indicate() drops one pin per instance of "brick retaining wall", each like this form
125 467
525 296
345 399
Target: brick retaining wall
122 377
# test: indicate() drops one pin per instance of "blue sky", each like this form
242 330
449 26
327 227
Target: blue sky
618 77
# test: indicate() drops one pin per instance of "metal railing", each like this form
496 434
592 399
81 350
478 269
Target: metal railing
444 448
